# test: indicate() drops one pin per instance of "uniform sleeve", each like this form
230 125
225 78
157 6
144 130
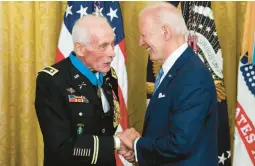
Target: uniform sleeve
61 146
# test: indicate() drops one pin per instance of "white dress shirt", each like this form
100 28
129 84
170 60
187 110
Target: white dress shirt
167 65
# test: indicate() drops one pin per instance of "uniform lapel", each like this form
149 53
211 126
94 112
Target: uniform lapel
107 88
112 99
83 86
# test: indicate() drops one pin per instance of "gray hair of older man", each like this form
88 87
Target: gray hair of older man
82 34
166 13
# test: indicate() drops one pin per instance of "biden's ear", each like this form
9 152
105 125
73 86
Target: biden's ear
166 31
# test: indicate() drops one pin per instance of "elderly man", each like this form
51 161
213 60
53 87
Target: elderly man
77 100
180 126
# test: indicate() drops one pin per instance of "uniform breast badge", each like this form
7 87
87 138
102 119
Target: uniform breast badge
77 99
71 90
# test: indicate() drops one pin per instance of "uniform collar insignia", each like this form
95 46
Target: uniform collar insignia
76 76
81 85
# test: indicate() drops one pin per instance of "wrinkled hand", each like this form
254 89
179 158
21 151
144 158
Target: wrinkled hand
127 138
124 151
127 153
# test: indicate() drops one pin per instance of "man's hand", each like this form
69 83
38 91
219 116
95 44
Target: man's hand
127 153
128 137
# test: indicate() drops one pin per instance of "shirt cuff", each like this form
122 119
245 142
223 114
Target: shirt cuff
136 159
116 142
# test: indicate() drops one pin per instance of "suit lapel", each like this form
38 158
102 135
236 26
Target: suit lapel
166 81
172 73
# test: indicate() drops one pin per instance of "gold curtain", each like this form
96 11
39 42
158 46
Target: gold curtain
29 34
229 20
28 40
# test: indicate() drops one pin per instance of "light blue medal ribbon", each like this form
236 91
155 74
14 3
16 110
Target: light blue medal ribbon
86 72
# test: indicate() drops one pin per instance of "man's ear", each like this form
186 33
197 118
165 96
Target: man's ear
79 49
166 30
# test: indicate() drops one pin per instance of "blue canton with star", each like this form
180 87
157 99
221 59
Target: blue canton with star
110 10
248 72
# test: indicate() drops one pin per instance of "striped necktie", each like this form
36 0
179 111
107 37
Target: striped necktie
157 82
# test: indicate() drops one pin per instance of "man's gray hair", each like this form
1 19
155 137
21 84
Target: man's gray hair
81 34
167 14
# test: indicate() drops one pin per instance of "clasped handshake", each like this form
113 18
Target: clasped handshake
127 139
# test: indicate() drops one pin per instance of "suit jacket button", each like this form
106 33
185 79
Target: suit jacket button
102 117
103 130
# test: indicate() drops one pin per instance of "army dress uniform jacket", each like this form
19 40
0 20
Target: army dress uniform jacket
76 131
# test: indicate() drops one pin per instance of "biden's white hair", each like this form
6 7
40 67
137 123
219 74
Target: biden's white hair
165 13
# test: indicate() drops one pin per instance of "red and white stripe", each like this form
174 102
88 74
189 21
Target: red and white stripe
244 144
65 46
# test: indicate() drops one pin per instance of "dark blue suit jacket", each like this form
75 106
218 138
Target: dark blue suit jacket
180 127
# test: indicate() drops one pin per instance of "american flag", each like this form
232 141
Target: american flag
111 10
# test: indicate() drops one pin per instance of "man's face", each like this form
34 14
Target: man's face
151 38
99 54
